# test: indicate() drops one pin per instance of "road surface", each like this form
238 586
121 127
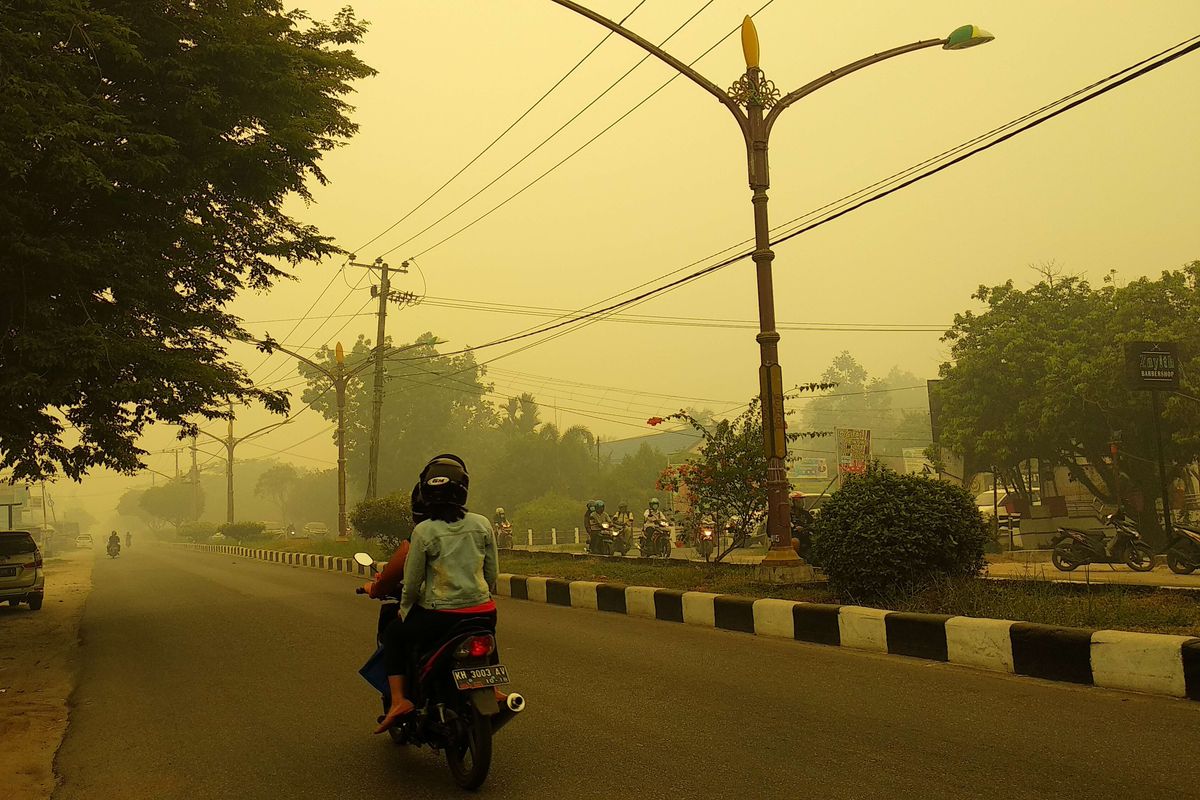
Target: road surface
211 676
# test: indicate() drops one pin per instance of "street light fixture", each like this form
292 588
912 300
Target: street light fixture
756 103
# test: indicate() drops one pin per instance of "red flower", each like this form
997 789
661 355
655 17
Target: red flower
655 421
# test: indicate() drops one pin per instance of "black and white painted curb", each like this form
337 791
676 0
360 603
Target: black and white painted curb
1140 662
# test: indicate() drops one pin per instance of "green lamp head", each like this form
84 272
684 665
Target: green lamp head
966 36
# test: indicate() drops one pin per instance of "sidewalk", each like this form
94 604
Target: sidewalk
38 663
1095 573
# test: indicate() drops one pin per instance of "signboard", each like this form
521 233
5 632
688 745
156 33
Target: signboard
1152 365
770 380
915 462
853 450
812 468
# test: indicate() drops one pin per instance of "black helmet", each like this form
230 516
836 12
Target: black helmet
444 481
419 512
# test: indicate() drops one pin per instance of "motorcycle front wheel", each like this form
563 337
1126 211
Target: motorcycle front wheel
1062 559
1179 564
470 756
1140 558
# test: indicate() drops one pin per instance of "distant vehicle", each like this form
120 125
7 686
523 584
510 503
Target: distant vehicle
84 540
274 529
313 530
22 579
218 537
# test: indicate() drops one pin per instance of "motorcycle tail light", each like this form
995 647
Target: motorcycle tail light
476 647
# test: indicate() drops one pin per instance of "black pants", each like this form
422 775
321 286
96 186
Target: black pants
404 640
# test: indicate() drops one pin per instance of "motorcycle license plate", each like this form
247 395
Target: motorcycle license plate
7 572
480 677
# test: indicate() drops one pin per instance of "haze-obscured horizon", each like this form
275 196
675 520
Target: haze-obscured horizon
1110 185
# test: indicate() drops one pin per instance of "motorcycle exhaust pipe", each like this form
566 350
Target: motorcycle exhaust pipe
514 705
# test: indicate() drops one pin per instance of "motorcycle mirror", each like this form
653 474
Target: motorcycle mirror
364 559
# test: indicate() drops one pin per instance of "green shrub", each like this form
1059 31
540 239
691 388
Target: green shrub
387 519
546 512
241 531
196 531
884 534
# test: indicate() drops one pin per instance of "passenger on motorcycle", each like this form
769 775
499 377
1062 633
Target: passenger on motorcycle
596 520
449 573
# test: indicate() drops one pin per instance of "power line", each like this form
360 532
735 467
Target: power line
545 141
579 149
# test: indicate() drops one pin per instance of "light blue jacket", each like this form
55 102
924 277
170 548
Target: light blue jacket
450 564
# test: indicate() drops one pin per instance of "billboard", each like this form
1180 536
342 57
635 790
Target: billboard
1152 365
853 450
812 468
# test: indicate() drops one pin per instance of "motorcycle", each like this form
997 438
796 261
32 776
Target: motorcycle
605 538
1183 556
454 694
114 549
656 539
504 536
705 541
1073 547
622 538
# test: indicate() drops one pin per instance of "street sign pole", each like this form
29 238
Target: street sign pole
1162 463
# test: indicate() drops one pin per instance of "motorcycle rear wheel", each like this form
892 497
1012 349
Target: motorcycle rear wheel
1179 564
1062 561
470 758
1140 558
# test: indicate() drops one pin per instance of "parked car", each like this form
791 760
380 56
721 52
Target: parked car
84 540
274 529
22 579
1005 502
315 530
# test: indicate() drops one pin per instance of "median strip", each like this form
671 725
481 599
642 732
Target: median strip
1142 662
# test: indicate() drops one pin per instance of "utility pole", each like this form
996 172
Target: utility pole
195 481
384 292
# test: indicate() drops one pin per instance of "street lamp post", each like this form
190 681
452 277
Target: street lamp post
756 104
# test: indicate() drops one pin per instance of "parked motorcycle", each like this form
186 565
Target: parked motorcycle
1183 556
454 693
706 541
504 536
1073 547
656 539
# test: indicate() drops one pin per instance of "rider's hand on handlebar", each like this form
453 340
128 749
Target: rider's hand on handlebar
365 588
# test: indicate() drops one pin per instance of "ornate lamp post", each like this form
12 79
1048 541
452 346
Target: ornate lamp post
756 104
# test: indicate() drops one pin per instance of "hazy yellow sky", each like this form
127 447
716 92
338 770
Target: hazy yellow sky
1114 184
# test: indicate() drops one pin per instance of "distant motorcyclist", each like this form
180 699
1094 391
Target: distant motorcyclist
502 528
623 517
499 518
597 520
653 514
114 542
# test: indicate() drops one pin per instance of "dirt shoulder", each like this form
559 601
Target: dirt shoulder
39 657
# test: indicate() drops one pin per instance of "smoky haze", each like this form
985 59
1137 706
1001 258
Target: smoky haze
1111 185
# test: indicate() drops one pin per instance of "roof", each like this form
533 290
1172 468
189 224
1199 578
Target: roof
666 442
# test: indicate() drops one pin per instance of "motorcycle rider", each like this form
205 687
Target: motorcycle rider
652 516
623 522
597 519
449 572
499 518
802 522
114 540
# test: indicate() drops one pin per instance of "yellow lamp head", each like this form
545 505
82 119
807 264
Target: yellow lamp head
339 354
750 43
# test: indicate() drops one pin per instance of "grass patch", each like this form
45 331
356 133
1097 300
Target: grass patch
1099 606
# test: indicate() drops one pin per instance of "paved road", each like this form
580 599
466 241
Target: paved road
209 676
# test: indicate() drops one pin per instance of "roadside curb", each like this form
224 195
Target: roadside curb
1141 662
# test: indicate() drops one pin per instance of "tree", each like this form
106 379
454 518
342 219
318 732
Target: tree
147 157
885 533
545 512
388 519
171 503
314 498
277 484
434 404
241 531
1040 374
728 476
